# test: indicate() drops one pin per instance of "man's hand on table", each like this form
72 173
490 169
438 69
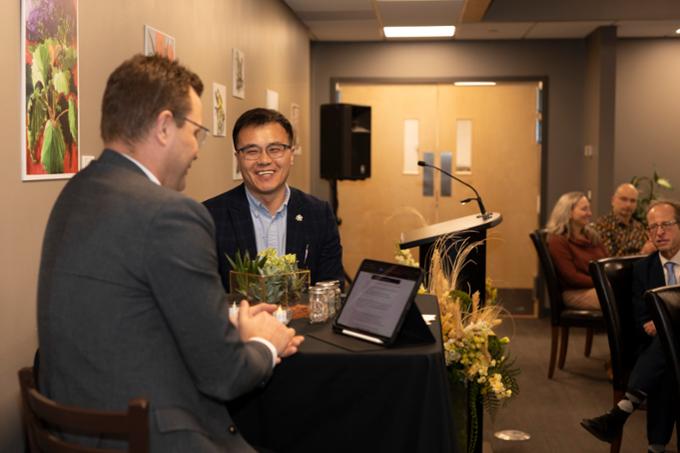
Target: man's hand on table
257 321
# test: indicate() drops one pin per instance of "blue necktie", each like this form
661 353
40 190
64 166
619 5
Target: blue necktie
670 265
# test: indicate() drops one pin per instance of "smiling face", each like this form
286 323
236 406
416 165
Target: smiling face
665 238
581 214
265 177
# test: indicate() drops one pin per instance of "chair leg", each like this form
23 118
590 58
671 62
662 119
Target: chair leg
589 341
553 350
616 445
563 346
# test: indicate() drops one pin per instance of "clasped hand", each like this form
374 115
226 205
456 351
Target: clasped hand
257 321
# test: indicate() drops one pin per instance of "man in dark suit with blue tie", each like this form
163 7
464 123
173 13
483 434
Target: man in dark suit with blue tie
650 378
129 301
264 212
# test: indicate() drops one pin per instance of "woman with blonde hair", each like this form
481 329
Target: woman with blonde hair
573 244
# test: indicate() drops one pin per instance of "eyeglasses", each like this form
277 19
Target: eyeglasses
653 228
274 150
201 133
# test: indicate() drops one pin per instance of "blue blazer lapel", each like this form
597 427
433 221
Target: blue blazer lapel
296 227
656 275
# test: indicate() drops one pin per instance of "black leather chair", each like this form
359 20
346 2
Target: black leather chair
41 414
613 279
665 303
562 318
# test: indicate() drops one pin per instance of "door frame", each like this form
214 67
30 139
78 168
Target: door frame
543 108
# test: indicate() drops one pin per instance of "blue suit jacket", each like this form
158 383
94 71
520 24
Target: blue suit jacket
311 233
647 274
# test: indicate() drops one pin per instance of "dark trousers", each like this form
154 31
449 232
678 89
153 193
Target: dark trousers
652 376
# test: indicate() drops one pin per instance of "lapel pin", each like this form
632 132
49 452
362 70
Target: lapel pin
298 217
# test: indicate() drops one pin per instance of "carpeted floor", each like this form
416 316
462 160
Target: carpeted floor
550 410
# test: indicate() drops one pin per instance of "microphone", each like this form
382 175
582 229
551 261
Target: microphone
485 215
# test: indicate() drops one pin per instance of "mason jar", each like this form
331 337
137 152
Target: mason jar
318 304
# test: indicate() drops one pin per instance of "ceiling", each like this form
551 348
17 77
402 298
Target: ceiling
362 20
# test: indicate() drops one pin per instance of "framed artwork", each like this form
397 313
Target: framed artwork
238 66
272 99
235 170
157 42
295 122
50 120
219 110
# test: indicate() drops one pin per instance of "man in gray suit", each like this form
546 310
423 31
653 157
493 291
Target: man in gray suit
129 300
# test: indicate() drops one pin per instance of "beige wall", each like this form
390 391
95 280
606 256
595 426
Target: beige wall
276 48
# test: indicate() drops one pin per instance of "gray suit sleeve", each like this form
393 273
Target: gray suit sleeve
181 266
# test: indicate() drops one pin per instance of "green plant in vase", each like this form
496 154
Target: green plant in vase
268 277
476 358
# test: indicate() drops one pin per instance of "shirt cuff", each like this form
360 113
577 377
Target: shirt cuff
269 345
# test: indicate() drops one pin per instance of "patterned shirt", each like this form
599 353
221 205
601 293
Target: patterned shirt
621 239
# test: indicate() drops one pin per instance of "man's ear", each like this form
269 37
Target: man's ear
164 127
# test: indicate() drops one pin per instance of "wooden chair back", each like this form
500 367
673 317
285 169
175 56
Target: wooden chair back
42 417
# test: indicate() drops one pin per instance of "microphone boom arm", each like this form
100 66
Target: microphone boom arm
477 198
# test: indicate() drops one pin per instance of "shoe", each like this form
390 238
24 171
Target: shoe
607 427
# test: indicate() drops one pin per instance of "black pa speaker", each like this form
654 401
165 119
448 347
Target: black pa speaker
345 141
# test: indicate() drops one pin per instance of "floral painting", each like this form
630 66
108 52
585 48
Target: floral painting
50 116
219 110
238 62
157 42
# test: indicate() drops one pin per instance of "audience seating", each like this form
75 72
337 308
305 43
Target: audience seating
40 415
613 279
562 318
665 303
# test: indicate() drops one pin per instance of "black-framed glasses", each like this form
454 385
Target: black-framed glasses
274 150
202 131
654 227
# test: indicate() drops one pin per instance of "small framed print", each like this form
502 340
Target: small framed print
235 170
219 110
238 64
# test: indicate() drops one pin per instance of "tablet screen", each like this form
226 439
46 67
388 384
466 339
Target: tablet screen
379 297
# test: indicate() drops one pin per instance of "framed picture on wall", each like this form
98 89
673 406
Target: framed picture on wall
295 122
238 66
219 96
157 42
235 170
50 120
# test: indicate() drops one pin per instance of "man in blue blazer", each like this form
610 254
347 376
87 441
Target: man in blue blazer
264 211
650 378
129 300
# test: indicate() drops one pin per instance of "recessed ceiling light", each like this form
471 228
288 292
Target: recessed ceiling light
475 84
677 32
420 32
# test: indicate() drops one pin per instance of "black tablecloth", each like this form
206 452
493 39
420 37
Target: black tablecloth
327 399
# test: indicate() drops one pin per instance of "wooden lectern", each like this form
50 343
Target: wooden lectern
470 229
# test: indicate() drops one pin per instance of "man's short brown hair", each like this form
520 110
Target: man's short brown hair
138 90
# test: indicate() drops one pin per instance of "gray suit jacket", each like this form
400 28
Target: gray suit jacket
130 305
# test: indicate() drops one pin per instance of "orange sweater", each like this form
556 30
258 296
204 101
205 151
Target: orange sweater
571 257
